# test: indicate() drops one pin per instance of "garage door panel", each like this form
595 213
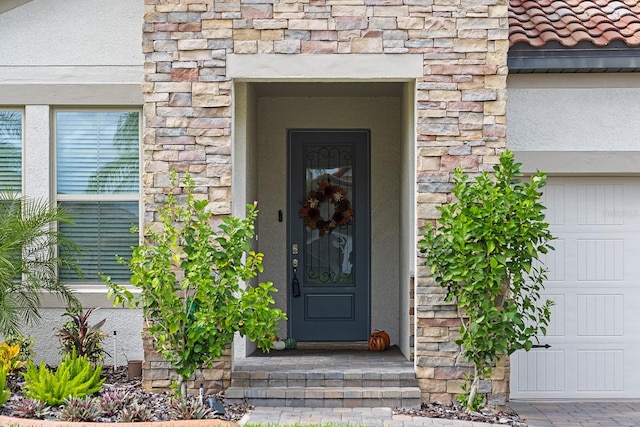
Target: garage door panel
598 204
606 371
556 326
539 371
603 369
553 199
600 312
600 315
600 259
582 259
594 282
555 261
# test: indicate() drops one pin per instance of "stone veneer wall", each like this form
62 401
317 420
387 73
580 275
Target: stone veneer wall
460 110
158 375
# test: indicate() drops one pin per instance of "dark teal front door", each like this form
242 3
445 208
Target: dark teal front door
329 235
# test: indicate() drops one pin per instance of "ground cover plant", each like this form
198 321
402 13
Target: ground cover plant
74 377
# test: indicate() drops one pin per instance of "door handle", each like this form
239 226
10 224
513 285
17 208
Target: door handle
541 346
295 284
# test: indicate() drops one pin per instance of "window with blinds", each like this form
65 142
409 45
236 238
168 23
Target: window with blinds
11 150
98 183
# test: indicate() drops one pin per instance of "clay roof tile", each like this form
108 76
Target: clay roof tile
569 22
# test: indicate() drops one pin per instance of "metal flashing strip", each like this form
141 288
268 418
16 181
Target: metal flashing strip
585 58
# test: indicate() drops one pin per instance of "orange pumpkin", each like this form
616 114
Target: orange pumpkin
386 337
379 341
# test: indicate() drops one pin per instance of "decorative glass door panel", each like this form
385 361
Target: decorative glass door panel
329 235
329 246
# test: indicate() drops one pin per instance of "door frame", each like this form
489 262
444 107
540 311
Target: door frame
293 213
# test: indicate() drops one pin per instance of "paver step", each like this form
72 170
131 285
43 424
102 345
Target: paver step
323 378
327 397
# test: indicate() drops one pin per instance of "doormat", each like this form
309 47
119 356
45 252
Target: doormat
327 350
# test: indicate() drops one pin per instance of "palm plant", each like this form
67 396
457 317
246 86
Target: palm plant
29 259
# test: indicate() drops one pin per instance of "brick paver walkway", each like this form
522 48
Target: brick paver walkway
369 417
579 414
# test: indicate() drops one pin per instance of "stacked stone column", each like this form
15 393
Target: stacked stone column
460 110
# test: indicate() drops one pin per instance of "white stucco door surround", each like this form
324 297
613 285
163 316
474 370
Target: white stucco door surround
273 93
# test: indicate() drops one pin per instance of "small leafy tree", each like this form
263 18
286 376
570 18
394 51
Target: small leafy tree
29 259
189 276
486 253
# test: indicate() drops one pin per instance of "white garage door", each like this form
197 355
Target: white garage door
594 281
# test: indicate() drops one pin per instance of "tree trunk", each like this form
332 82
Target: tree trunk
473 391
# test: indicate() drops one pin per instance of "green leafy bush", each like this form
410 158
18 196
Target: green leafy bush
486 252
190 274
74 377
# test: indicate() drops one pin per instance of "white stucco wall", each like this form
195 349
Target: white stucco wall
591 112
126 323
577 124
71 52
68 33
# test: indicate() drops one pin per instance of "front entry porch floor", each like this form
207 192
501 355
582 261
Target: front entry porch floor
326 378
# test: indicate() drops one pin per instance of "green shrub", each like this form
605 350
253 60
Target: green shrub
487 253
189 274
4 393
74 377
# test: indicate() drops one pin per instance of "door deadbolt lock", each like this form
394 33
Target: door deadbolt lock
294 263
294 249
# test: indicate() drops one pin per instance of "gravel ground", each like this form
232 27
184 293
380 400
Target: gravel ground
451 412
158 404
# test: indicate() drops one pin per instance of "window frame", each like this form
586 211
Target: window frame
20 109
85 283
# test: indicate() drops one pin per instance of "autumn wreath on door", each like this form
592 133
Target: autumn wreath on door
320 200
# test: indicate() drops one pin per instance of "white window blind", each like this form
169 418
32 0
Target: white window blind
101 230
10 150
97 152
97 164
